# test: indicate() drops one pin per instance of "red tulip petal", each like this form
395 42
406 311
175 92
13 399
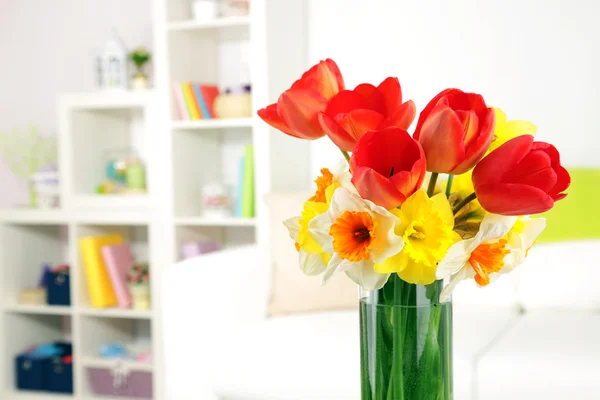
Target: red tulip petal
535 169
377 188
336 74
441 139
344 102
338 136
467 101
407 182
388 149
373 99
392 93
357 122
403 117
513 199
563 181
501 161
324 77
470 124
270 116
563 178
430 106
299 109
477 150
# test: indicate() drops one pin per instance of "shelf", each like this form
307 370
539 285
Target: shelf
214 124
35 216
109 99
204 221
42 309
192 25
97 362
33 395
115 313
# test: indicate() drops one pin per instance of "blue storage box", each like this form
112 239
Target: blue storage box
58 289
60 376
44 369
31 372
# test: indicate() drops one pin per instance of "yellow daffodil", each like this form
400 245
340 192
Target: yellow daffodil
313 260
426 226
358 234
506 130
500 245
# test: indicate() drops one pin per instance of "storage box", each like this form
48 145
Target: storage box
60 376
47 373
31 372
58 288
106 382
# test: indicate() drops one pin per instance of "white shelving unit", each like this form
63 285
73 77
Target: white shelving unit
180 157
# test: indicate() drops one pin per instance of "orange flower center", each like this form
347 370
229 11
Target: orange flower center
352 234
323 182
488 258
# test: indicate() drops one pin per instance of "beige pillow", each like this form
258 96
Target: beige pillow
292 291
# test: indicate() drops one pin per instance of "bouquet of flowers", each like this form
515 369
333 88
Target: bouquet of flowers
408 217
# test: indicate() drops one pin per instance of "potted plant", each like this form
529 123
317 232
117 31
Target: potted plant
138 279
140 57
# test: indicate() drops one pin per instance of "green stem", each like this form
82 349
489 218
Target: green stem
463 203
432 181
399 325
449 185
346 155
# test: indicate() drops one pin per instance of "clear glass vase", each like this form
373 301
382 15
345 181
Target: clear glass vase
406 342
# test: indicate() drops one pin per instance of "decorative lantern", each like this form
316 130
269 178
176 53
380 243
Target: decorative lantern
111 65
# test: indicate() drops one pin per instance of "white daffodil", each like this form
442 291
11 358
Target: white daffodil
358 234
313 260
497 248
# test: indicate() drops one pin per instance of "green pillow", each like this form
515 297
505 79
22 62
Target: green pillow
577 216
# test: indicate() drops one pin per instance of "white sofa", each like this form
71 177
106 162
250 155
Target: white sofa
534 334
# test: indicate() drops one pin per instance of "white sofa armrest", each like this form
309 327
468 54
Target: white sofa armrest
202 298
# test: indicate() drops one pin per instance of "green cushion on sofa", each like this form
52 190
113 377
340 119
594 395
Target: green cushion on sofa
578 215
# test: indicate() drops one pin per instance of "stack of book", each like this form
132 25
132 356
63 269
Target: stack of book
194 101
106 261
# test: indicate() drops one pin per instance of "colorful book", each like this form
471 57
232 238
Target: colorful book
248 195
240 188
180 107
119 261
210 93
190 102
100 290
200 101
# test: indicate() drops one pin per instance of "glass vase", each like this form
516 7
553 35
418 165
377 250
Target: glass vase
405 342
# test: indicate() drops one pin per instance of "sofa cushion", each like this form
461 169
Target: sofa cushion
550 355
560 276
313 357
292 291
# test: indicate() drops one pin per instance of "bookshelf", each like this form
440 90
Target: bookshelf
159 221
180 156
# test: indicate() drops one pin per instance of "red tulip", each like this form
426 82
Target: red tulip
351 113
521 177
455 130
387 166
296 112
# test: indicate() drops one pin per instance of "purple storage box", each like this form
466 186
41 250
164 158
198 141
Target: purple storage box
194 249
137 384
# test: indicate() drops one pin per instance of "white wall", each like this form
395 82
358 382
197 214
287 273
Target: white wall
536 59
47 48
